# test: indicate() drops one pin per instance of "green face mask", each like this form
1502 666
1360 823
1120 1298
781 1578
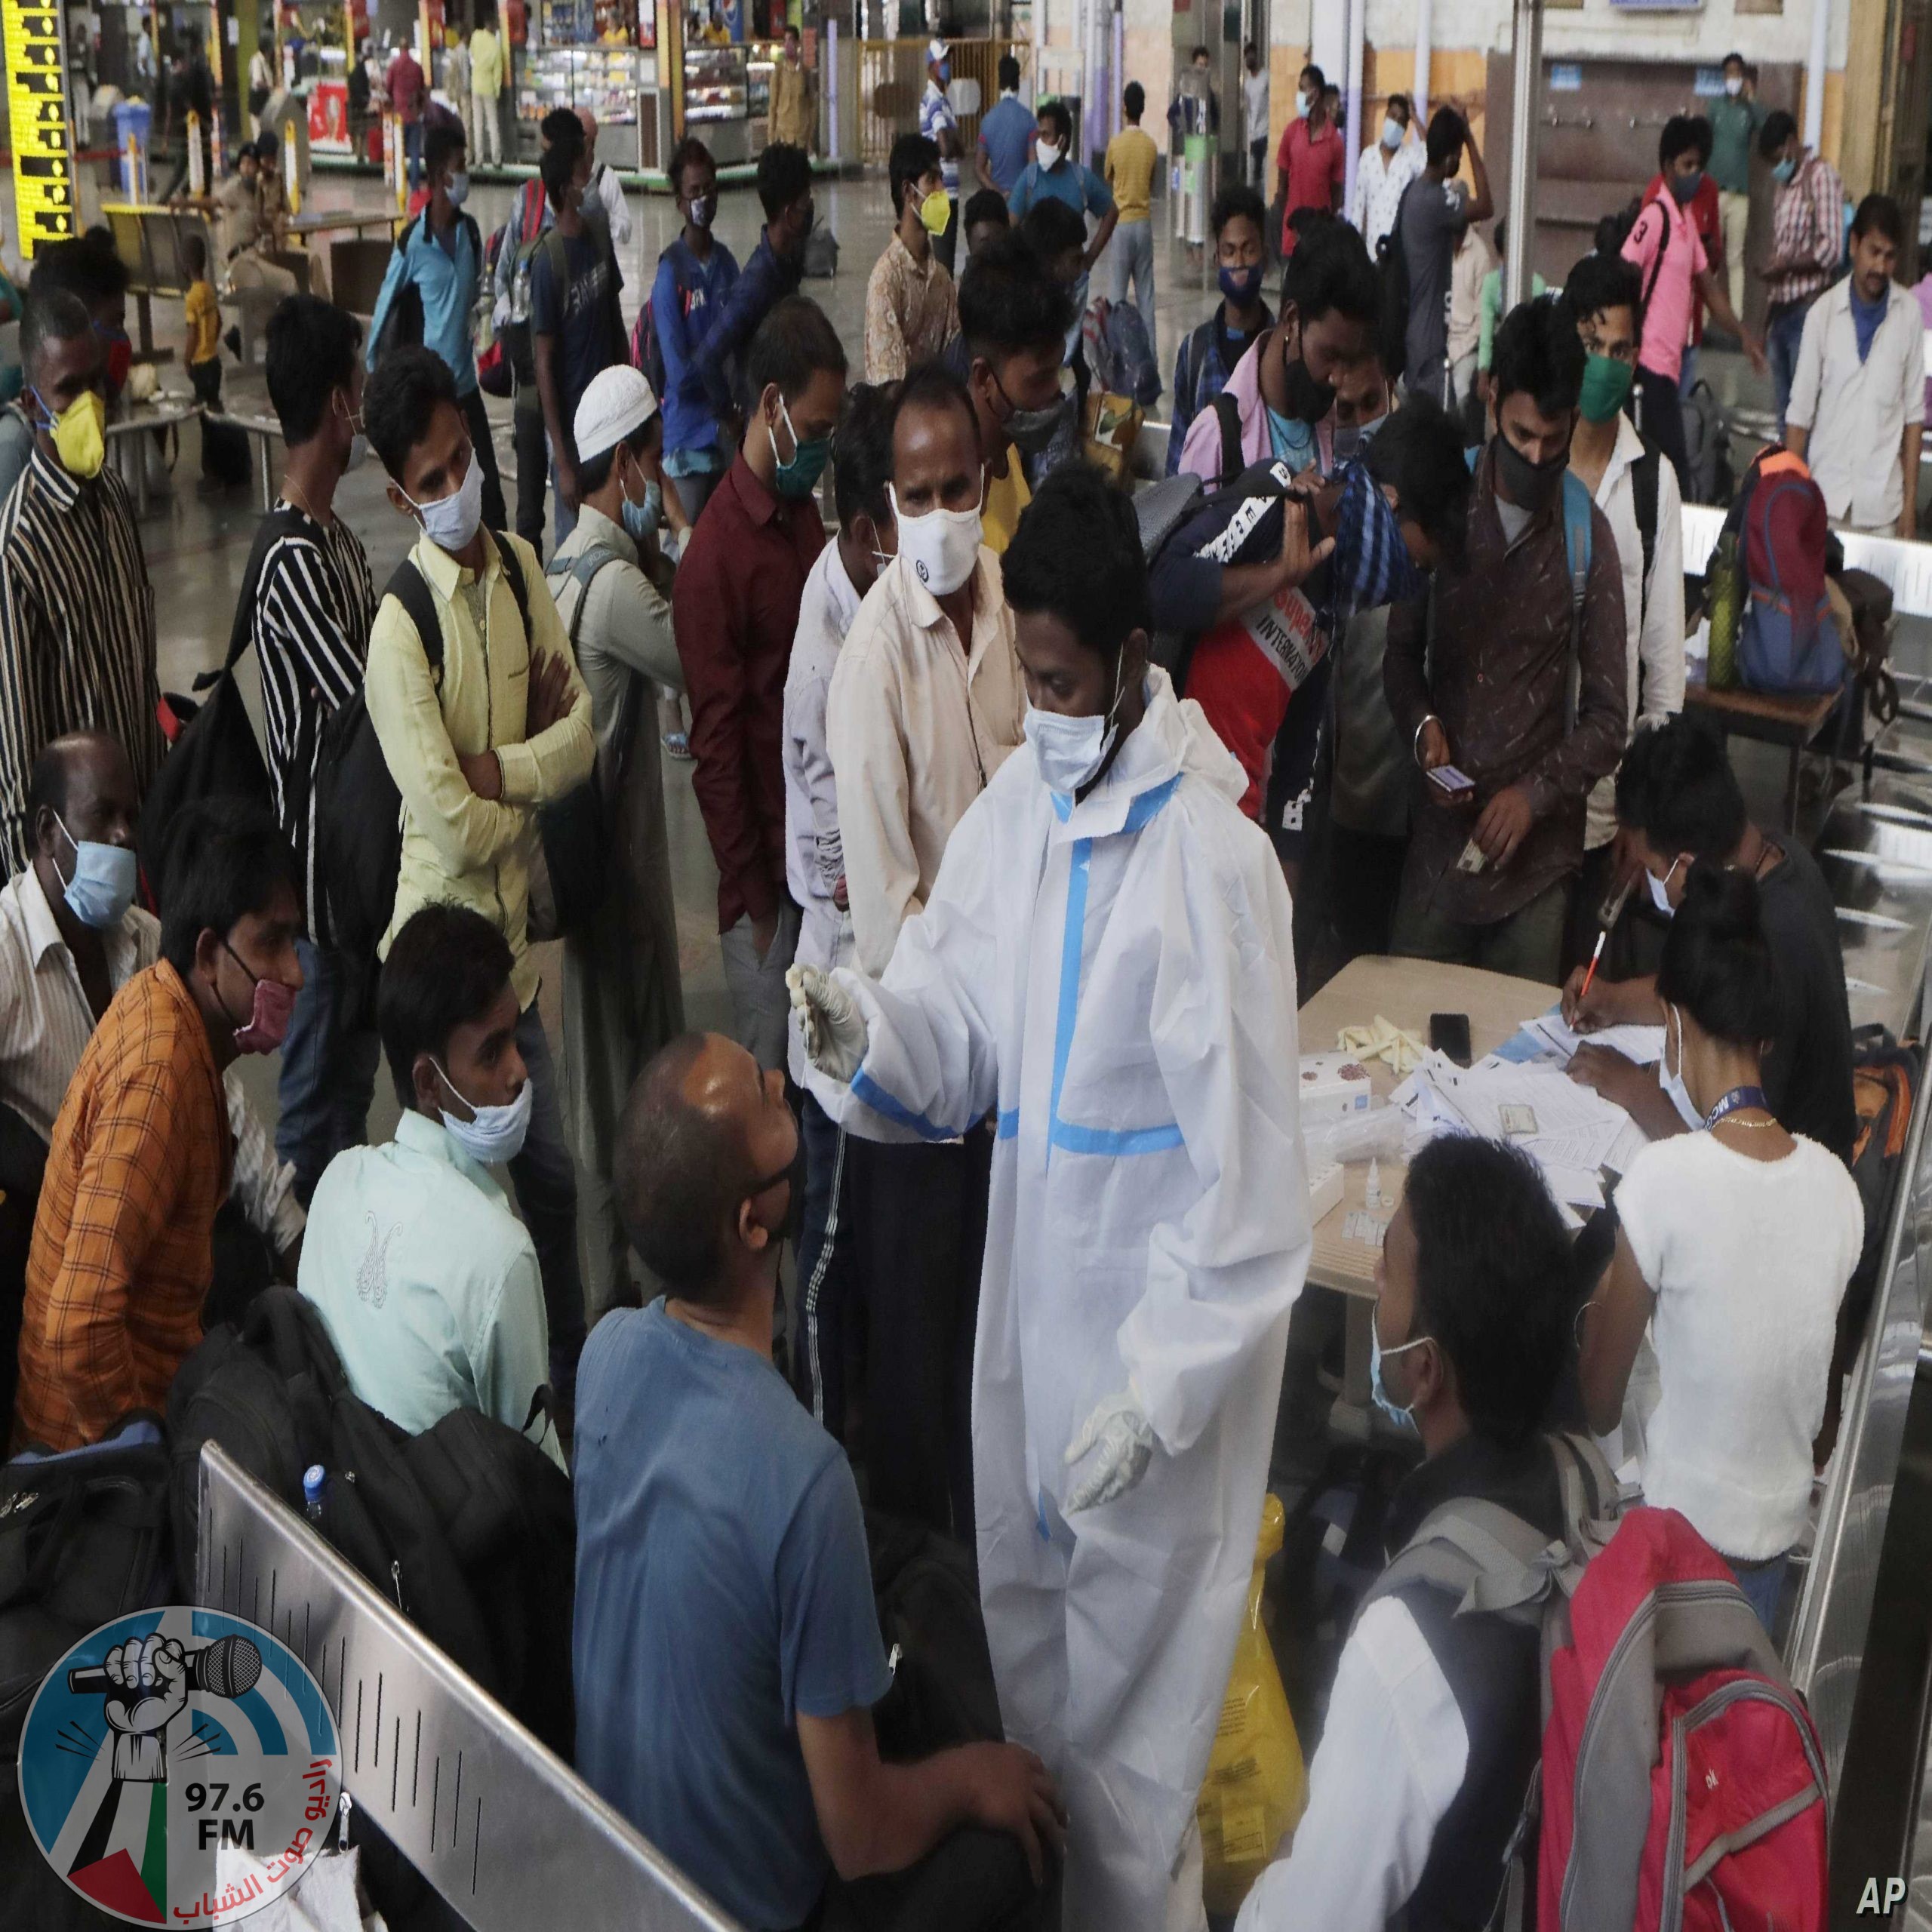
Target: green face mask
1606 387
799 476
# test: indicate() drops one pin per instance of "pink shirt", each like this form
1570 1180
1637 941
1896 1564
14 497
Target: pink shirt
1667 316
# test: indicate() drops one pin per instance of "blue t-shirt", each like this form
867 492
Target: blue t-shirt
1006 133
578 315
1080 187
723 1587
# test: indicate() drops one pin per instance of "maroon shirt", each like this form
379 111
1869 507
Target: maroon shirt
735 609
403 82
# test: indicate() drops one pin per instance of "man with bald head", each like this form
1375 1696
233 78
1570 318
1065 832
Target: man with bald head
605 189
750 1619
71 936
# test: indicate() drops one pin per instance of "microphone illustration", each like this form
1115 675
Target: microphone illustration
229 1667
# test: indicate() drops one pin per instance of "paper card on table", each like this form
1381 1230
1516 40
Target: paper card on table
1644 1045
1517 1118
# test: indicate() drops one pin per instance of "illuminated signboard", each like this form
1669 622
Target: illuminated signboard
45 182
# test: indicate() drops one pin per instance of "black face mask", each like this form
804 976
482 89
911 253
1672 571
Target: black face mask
1031 430
1309 399
1529 485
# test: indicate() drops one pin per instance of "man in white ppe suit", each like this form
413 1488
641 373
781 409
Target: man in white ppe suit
1105 959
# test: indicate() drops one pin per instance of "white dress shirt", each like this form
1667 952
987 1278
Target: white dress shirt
814 860
1857 411
611 192
45 1024
1390 1763
1653 612
1380 178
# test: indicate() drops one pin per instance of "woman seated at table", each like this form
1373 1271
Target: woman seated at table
1733 1246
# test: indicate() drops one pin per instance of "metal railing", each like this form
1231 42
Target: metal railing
508 1834
892 76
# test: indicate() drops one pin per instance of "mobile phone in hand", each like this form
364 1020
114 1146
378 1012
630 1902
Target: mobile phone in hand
1454 782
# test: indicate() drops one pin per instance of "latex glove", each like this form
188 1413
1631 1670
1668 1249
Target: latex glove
1119 1431
834 1027
1383 1040
500 316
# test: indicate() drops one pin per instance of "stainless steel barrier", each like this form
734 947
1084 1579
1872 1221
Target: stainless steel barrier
508 1835
1826 1648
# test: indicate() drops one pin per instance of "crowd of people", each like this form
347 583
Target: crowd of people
1015 896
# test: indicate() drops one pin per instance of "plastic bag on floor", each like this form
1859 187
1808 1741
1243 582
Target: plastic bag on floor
1256 1787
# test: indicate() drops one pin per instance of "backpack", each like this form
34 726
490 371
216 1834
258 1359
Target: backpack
402 326
821 257
214 754
1392 267
647 352
942 1692
467 1528
1707 446
1700 1804
1787 640
83 1539
519 347
1644 501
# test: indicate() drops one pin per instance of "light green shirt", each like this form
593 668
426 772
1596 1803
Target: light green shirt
1492 313
427 1283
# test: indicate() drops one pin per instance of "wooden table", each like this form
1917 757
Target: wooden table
1405 991
1792 720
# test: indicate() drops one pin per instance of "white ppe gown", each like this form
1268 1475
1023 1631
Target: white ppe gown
1117 979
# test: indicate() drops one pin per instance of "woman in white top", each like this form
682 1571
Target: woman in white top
1734 1247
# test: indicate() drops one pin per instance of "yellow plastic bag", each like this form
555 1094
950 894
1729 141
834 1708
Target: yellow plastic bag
1256 1787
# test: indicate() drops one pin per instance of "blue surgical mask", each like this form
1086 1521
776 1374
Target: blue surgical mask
1672 1084
641 519
1391 134
1069 751
1683 187
1403 1418
1784 170
458 190
1659 892
495 1136
1242 285
103 887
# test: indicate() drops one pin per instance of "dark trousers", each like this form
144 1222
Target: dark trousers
830 1308
328 1068
920 1214
494 514
533 468
545 1177
1660 416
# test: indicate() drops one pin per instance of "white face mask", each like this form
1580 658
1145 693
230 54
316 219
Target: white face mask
1048 153
1392 134
1734 84
1069 751
1659 888
941 546
495 1136
449 522
1673 1083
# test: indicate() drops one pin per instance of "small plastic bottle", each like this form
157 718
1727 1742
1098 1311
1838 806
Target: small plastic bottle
1371 1192
315 1484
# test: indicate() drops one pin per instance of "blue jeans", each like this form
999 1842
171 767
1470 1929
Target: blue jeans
1687 379
1131 254
412 146
328 1070
563 518
545 1176
1782 332
1763 1584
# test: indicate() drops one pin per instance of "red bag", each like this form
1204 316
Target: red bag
1682 1784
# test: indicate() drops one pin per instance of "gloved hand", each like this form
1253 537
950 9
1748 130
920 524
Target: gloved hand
1119 1431
500 316
834 1027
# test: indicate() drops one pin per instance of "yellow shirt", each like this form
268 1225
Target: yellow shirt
1132 160
1006 497
204 317
486 63
458 848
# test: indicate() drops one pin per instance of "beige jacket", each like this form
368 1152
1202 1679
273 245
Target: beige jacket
916 726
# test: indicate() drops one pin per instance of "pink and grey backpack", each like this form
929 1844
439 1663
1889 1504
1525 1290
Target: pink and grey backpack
1682 1787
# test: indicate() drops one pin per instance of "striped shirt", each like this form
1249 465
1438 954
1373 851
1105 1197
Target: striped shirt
46 1022
77 643
123 1242
1807 232
313 608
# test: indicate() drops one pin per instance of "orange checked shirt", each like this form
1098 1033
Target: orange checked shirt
122 1256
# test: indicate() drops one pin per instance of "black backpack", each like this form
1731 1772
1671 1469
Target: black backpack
402 327
942 1692
83 1540
1391 262
467 1528
215 755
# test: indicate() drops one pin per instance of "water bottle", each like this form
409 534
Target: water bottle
1726 612
315 1484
